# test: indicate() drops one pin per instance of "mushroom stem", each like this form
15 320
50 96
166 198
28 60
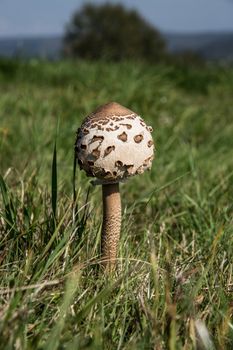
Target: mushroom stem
111 226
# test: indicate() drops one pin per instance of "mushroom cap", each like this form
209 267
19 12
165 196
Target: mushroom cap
113 144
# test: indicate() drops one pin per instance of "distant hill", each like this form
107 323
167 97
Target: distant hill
34 47
211 46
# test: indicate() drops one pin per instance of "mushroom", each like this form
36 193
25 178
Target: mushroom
113 144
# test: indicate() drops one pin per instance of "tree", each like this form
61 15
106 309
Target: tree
111 32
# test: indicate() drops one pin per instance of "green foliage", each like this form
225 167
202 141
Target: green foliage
175 255
111 32
8 67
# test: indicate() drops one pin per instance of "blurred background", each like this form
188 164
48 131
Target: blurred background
193 29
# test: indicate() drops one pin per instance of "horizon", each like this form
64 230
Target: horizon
53 35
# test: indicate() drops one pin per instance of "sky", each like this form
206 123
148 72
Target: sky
42 17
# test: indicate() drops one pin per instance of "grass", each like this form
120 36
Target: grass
174 283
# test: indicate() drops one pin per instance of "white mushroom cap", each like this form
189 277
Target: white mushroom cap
113 144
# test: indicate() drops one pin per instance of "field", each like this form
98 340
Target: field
173 286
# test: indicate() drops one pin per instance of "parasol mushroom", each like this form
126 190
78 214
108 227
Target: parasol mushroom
112 145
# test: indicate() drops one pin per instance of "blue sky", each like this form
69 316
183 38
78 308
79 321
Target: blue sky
32 17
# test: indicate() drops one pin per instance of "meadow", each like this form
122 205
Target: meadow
173 287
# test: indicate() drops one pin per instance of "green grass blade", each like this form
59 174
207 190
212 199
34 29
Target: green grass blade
6 202
54 181
54 338
75 206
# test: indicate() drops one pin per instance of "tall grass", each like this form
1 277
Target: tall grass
173 285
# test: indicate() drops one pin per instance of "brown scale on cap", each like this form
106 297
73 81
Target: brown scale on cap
140 170
147 161
130 169
118 163
108 175
123 137
128 126
116 119
90 162
104 122
108 150
98 172
97 138
130 117
138 138
124 167
93 126
150 143
96 153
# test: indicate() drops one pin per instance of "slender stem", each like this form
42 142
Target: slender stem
111 226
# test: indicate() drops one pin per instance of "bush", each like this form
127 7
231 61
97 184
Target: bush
113 33
8 67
